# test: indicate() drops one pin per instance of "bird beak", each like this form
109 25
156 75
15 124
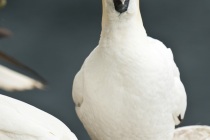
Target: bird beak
122 1
121 5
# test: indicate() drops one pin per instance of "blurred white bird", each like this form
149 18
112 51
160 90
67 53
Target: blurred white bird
196 132
21 121
129 87
11 80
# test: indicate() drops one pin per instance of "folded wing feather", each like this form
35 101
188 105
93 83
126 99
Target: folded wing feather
11 81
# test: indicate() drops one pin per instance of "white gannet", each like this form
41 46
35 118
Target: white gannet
129 87
21 121
11 80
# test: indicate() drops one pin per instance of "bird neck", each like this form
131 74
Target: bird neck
118 27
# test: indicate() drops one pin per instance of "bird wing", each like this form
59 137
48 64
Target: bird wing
11 81
196 132
178 99
21 121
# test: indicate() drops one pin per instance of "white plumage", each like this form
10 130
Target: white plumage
129 87
21 121
196 132
11 80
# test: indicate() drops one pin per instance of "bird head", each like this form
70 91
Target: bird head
121 6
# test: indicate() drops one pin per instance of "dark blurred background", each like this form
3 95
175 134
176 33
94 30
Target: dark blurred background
54 37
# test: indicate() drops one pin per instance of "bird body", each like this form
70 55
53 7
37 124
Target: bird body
129 86
21 121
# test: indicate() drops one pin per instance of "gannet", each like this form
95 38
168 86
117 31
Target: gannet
21 121
129 87
11 80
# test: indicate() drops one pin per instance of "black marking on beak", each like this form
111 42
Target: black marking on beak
120 7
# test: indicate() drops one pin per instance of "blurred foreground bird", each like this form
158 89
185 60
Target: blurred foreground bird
129 87
21 121
11 80
194 132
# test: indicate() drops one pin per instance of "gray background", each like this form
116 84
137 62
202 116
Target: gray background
54 37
